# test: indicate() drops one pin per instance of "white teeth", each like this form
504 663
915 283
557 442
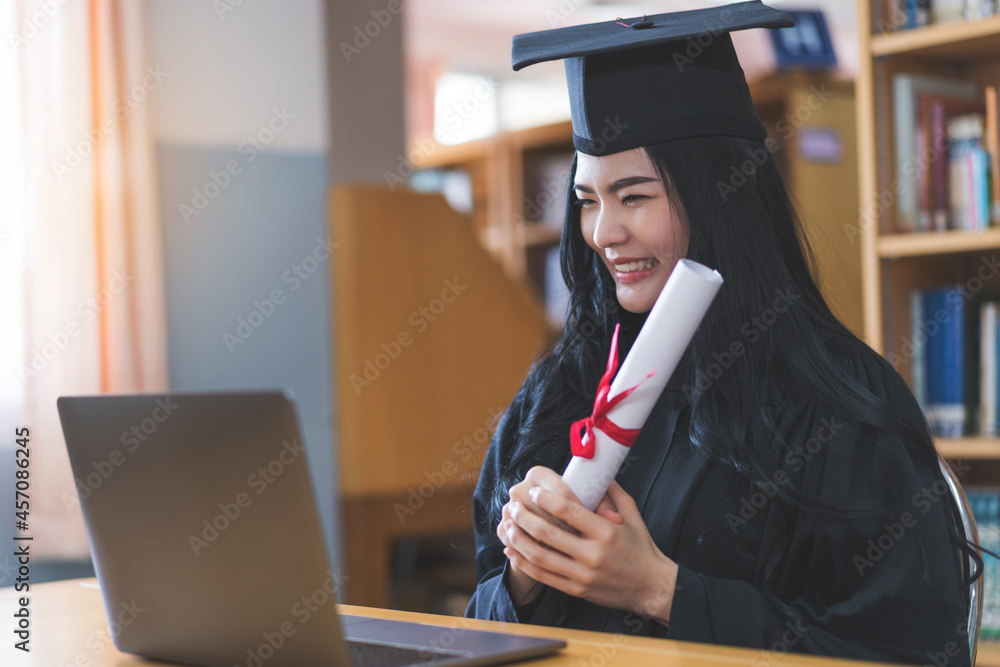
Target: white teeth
641 265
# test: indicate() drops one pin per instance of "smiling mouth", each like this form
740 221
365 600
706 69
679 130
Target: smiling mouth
640 265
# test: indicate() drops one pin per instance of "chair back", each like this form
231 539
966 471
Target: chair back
971 534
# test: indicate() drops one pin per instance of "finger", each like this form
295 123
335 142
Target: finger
623 502
544 531
578 517
610 515
551 480
607 510
542 575
522 493
541 555
502 530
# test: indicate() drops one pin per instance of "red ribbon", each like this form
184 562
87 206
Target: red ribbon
602 406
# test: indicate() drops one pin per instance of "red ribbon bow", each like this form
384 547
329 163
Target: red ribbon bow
602 406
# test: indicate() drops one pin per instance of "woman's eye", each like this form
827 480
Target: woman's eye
584 203
633 199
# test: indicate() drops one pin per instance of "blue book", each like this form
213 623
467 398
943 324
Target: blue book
944 314
918 13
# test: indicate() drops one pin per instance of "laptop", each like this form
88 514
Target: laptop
205 538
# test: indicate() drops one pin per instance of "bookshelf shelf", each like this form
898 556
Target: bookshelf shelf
891 246
988 654
950 41
970 448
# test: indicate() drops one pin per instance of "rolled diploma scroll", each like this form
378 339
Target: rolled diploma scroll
668 331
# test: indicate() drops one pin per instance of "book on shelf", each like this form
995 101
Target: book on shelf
911 14
982 341
968 183
910 165
919 12
947 11
931 146
954 346
993 148
985 504
944 351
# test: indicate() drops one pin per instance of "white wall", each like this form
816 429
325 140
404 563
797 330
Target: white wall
228 70
257 71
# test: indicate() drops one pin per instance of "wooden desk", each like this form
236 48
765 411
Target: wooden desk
69 629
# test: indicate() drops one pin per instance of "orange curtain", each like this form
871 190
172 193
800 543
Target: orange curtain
88 233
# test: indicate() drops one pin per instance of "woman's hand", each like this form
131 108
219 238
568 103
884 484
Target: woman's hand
606 557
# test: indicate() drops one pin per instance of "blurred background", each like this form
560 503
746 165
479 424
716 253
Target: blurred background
360 202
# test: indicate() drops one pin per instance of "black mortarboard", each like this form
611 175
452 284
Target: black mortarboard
641 81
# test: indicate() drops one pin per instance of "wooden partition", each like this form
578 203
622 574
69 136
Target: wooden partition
432 340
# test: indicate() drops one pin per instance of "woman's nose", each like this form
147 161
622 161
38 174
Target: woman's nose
608 229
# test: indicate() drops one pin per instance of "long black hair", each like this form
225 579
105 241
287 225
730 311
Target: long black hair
741 222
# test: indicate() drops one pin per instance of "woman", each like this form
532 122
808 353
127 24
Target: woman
785 493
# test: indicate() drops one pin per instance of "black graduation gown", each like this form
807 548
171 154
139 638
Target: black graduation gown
871 589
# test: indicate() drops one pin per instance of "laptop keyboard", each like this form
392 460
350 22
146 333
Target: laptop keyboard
364 654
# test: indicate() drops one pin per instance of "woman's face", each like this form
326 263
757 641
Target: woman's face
626 217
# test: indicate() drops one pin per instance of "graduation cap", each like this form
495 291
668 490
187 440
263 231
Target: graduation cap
635 82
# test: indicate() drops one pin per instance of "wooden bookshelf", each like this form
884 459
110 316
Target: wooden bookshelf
969 448
500 169
895 264
989 654
936 243
952 41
